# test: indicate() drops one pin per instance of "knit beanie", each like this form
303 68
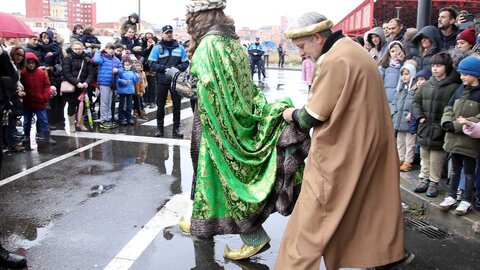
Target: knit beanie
470 66
468 35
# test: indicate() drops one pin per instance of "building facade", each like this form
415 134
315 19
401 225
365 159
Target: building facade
72 12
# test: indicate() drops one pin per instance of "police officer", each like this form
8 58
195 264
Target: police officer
167 58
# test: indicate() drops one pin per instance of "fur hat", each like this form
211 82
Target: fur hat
468 35
194 6
470 66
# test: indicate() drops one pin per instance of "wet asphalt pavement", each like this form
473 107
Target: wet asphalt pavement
112 200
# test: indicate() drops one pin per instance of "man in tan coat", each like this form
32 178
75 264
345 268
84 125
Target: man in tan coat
349 207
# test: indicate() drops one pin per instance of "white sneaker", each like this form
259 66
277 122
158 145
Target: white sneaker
463 208
447 203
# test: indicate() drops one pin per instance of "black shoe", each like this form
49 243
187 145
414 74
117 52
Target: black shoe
159 133
131 122
176 133
10 260
476 204
406 260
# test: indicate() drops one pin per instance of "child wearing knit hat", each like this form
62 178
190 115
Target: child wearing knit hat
469 68
463 112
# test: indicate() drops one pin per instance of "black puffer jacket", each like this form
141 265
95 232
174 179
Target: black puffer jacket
71 67
429 102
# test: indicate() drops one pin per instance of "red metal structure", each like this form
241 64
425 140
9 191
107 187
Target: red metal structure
372 13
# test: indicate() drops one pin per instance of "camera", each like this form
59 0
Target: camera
469 21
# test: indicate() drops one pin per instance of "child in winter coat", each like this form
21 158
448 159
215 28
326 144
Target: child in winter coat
138 102
428 105
389 67
463 149
420 78
90 41
127 77
108 66
308 71
35 101
402 106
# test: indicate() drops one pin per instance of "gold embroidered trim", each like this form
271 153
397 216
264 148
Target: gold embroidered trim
308 30
314 115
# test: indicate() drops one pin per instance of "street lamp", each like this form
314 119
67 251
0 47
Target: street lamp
397 8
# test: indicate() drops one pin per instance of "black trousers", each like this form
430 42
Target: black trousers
469 164
162 93
151 89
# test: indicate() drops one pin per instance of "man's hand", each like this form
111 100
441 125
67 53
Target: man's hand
288 114
115 70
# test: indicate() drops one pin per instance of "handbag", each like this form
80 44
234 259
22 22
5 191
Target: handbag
66 86
185 85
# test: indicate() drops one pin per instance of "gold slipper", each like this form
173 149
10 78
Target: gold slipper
184 225
245 251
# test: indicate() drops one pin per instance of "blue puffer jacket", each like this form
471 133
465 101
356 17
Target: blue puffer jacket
106 64
126 81
390 76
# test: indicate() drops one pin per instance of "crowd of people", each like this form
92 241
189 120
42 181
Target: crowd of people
136 71
431 80
421 86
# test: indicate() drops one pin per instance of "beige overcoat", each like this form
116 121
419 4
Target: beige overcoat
349 209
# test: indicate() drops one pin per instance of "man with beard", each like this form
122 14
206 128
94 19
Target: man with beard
447 28
167 58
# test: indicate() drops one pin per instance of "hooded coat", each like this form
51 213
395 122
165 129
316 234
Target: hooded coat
52 47
423 60
37 85
429 103
403 100
376 53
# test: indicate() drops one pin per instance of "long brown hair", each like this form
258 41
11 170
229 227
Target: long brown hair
21 64
199 23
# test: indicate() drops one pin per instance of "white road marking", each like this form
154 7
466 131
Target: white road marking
50 162
123 137
169 215
168 120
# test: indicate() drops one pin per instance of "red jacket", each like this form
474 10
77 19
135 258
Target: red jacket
37 86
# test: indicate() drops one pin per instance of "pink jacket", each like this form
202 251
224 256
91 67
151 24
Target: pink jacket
308 71
473 131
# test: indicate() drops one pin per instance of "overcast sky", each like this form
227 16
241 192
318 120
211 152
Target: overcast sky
250 13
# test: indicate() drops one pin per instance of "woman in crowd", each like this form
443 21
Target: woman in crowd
389 67
17 54
78 71
148 41
376 37
427 40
